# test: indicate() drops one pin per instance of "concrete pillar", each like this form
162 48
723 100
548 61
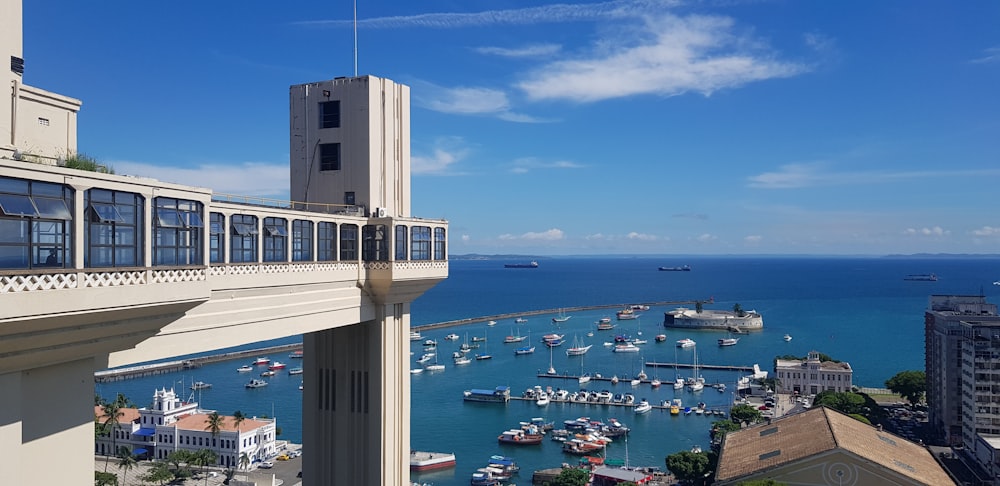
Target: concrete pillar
47 419
356 402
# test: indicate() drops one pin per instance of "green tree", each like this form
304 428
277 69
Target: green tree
910 384
244 461
860 418
238 419
844 402
738 310
689 467
744 413
112 414
204 458
214 423
126 461
570 477
160 473
105 479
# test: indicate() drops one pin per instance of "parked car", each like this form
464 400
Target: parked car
266 465
283 457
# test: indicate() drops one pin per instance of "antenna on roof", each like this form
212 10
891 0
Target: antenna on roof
355 38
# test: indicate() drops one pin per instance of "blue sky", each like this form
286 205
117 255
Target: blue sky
629 127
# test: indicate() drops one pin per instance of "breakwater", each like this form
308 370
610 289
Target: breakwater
119 374
514 315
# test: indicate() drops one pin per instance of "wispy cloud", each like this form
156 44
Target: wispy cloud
537 50
550 235
986 231
706 238
933 231
666 55
440 159
753 239
528 164
990 55
260 179
698 216
464 100
812 174
641 236
560 13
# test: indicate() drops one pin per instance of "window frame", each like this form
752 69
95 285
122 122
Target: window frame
115 229
402 243
33 234
302 240
375 243
349 233
217 238
329 118
326 241
329 157
275 237
178 232
440 243
243 241
420 243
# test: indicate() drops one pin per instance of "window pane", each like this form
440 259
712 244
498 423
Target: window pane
106 213
13 256
168 218
192 219
13 231
16 186
17 205
52 208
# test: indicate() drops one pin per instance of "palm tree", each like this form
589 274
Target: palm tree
112 412
215 423
244 462
126 461
203 458
238 419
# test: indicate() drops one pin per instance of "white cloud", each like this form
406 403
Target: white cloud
447 152
536 50
464 100
799 175
466 238
753 238
990 55
987 231
550 235
667 55
245 179
596 236
641 236
935 231
705 238
527 164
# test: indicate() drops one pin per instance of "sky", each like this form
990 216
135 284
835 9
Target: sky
546 128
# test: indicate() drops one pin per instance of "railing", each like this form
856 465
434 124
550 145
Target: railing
326 208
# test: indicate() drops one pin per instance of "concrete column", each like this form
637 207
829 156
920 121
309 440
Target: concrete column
55 426
356 402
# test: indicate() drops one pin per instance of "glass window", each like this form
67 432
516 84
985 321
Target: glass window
35 224
401 243
302 240
440 244
329 114
329 156
176 241
243 241
326 242
420 248
114 229
375 248
275 240
349 198
217 238
349 242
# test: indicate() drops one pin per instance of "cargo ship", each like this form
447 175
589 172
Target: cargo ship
683 317
532 264
684 268
923 277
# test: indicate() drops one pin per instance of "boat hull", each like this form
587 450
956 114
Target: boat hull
429 461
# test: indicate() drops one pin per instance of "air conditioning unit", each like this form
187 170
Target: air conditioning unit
379 213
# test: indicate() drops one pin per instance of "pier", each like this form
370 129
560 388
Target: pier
514 315
140 371
652 364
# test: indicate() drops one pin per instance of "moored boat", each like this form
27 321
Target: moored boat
428 461
295 371
500 394
661 338
524 350
728 341
200 385
452 337
255 383
261 361
278 365
244 369
626 348
685 343
297 354
520 320
643 407
787 337
519 437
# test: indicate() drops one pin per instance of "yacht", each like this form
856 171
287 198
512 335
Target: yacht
643 407
788 337
255 383
685 343
245 369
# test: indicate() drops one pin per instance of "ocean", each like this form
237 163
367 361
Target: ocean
855 309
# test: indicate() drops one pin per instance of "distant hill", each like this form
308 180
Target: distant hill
948 256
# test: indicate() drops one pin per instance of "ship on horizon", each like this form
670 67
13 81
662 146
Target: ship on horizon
532 264
923 277
684 268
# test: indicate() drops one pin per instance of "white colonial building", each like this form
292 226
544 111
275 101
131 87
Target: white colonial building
811 376
171 424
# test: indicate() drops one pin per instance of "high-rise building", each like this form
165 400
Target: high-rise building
955 327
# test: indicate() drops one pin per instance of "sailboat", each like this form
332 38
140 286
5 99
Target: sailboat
578 348
562 317
515 337
552 369
678 381
460 359
485 354
584 377
436 366
525 349
696 383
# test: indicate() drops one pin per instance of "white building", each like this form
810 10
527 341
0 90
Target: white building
811 376
171 424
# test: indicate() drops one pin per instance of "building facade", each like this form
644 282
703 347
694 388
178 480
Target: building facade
170 424
812 376
944 342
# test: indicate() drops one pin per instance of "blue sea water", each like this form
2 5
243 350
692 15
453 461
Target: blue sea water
859 310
